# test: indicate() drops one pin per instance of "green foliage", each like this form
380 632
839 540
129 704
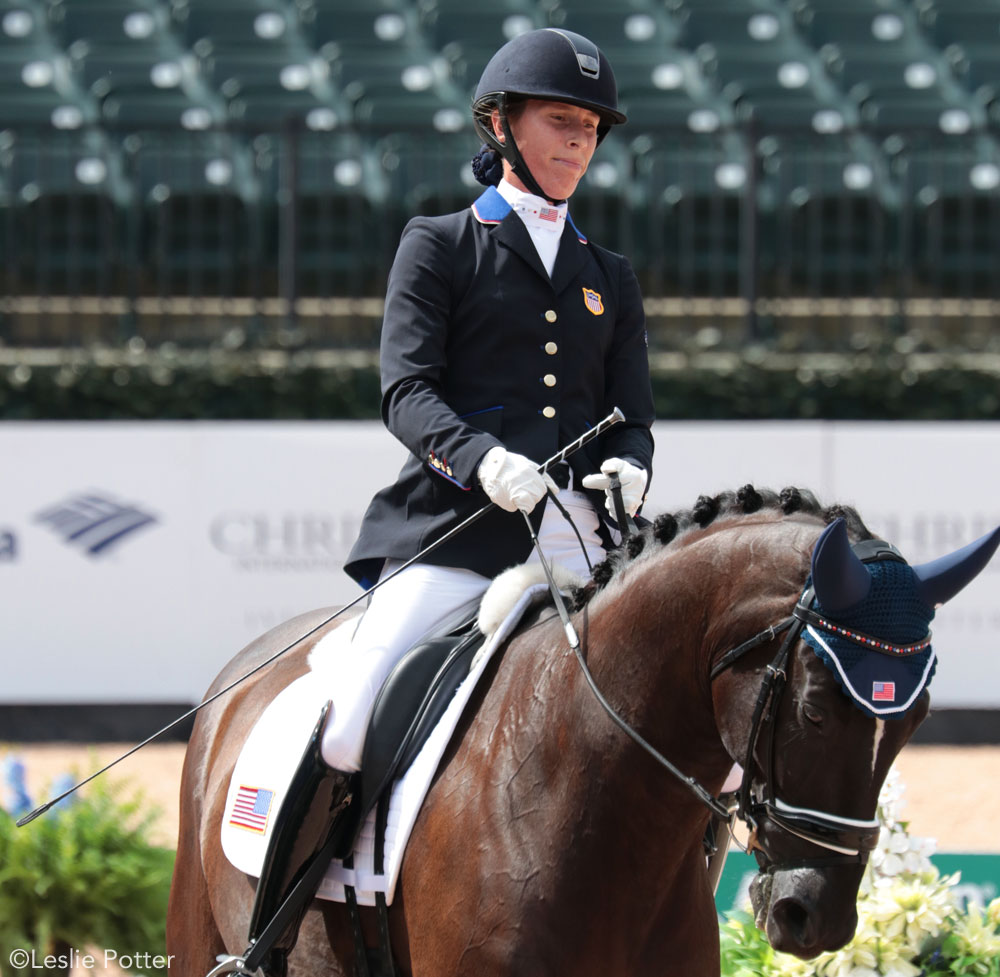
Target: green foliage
166 384
84 875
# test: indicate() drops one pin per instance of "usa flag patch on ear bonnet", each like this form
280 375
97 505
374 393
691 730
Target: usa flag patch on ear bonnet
592 300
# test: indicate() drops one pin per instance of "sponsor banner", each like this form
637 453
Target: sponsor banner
136 559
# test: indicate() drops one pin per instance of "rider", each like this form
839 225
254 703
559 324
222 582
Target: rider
506 335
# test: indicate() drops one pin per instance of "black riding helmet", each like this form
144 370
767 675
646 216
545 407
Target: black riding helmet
551 64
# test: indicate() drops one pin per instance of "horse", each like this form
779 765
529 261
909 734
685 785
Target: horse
549 842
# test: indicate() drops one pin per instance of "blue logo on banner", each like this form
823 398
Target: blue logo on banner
94 522
8 546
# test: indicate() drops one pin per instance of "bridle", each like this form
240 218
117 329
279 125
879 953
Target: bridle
845 841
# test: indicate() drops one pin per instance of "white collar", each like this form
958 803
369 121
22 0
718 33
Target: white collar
535 211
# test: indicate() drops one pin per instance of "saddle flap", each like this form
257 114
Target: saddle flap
411 701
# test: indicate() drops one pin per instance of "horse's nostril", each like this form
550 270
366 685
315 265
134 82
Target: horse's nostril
794 920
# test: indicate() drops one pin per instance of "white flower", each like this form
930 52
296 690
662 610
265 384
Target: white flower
978 936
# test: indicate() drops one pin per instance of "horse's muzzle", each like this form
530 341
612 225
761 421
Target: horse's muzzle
803 912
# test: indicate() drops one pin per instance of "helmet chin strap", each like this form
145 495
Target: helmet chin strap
509 151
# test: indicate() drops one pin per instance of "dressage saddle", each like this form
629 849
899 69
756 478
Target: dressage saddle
406 710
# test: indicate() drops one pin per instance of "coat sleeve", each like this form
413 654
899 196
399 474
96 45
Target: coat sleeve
413 356
627 383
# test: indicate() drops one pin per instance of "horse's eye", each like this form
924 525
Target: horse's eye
813 714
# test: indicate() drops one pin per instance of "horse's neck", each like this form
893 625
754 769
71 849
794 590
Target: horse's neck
653 634
650 660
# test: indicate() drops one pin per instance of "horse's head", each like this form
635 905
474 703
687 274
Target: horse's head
818 718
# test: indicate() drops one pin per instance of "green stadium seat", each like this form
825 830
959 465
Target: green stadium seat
259 24
617 28
872 7
230 70
798 167
953 236
134 22
675 109
343 234
428 173
273 109
736 73
489 26
29 67
364 24
130 110
740 25
779 110
689 225
891 111
960 21
339 164
891 70
32 108
390 71
868 31
977 65
652 68
466 63
199 232
101 68
419 112
67 197
22 28
826 229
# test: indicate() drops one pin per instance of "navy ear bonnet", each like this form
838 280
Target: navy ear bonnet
879 648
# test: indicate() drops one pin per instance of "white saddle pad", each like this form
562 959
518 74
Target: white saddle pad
272 752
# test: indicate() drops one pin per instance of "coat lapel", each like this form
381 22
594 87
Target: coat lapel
570 258
514 235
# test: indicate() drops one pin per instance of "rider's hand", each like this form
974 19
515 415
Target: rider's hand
511 480
633 479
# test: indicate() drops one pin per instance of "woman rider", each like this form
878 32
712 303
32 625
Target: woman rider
506 335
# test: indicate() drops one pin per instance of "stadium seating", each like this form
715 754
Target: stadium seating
843 126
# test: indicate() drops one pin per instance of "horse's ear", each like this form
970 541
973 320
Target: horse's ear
839 577
944 577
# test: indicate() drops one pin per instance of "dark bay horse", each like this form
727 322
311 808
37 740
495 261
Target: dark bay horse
549 843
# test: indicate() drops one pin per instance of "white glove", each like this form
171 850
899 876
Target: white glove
512 481
633 479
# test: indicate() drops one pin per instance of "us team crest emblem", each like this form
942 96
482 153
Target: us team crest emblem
592 300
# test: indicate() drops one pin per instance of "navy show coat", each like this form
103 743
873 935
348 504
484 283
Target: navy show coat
481 348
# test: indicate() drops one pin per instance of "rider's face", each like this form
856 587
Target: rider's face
557 141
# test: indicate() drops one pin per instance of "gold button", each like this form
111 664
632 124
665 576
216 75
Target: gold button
551 315
549 380
549 411
551 349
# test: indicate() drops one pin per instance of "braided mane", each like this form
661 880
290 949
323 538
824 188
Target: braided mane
667 528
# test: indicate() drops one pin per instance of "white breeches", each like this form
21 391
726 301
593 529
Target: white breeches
405 609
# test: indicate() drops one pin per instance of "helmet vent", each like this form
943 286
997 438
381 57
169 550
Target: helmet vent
587 55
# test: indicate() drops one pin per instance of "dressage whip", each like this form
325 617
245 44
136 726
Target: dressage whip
615 417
